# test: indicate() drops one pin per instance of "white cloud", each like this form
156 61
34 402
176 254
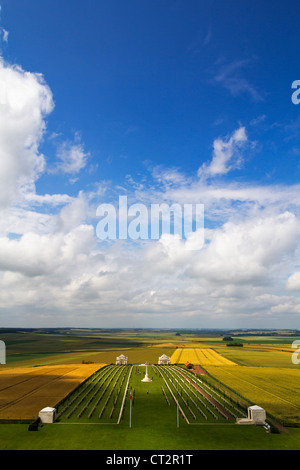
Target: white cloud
74 214
18 221
4 34
226 155
25 101
52 265
230 76
35 255
293 282
236 276
72 158
248 251
31 198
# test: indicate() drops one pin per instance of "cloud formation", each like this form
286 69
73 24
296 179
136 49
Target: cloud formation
26 100
54 270
230 76
226 155
71 158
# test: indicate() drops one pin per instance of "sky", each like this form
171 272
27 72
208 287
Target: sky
164 102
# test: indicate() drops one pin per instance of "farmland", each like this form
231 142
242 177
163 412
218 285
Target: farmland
25 391
204 357
277 390
75 371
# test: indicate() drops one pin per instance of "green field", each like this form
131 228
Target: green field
154 436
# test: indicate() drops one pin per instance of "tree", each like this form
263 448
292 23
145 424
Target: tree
227 338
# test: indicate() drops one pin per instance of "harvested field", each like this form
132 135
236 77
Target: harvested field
25 391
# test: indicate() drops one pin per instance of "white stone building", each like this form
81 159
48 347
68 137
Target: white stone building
2 353
164 360
47 415
122 360
256 415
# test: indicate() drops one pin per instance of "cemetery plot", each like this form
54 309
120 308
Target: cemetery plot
100 400
103 397
197 402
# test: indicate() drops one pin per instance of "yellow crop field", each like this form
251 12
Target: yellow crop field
25 391
275 389
201 356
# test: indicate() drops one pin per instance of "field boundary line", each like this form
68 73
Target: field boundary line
214 424
85 423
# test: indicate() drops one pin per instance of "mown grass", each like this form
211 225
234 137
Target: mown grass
158 436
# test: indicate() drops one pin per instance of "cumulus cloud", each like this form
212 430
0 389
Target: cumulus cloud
236 275
36 255
293 282
26 100
248 251
52 265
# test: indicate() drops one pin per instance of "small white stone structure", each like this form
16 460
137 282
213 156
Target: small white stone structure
122 360
256 415
2 353
164 360
47 415
146 378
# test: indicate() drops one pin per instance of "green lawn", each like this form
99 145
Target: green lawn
145 437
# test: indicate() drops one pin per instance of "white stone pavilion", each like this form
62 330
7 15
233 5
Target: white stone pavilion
122 360
256 415
47 415
164 360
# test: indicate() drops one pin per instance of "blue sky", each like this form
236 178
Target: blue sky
158 81
172 101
